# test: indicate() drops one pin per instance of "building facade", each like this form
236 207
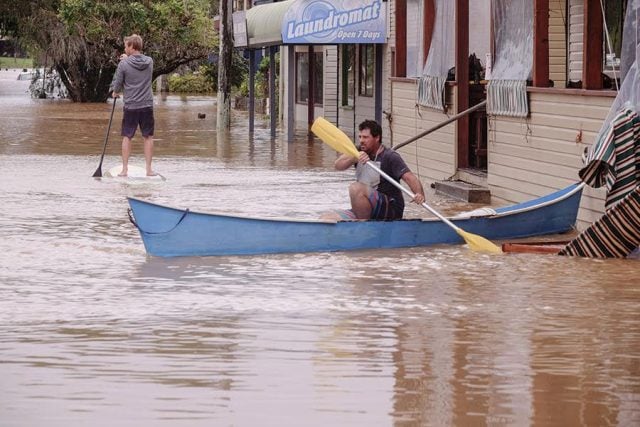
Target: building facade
345 75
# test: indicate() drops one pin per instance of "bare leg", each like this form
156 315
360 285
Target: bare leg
126 152
360 205
330 216
148 154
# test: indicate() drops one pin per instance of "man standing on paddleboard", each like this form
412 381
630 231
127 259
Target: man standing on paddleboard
133 78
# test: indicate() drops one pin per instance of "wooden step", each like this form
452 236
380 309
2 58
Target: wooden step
464 191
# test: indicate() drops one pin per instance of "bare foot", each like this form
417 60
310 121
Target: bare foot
151 173
123 174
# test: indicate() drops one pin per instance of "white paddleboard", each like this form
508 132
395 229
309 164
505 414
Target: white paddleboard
137 173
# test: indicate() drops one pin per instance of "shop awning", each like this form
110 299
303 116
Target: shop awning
264 23
316 22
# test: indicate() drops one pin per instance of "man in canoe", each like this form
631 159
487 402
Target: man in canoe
133 76
372 196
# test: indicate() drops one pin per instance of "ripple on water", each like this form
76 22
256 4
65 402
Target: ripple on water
93 329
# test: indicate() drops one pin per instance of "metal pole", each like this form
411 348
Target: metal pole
291 91
272 89
252 91
438 126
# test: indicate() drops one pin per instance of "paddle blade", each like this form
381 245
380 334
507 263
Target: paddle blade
478 243
98 172
334 137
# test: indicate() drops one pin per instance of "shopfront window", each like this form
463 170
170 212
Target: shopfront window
614 20
367 62
303 77
414 38
348 74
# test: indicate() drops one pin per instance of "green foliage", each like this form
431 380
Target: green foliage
261 79
243 89
197 82
84 38
175 32
7 62
239 68
12 12
262 76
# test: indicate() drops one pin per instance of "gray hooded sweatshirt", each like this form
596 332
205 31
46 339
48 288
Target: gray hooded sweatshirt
134 76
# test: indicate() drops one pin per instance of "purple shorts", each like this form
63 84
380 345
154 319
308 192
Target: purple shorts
382 208
142 117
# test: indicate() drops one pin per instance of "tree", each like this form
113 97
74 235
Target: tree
84 38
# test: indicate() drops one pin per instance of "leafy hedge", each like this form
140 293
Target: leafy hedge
196 82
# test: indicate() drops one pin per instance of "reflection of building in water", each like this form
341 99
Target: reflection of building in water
477 354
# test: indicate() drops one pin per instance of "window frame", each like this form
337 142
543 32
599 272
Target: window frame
366 76
348 75
303 83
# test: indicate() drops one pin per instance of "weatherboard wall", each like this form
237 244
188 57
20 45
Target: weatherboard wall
534 156
432 158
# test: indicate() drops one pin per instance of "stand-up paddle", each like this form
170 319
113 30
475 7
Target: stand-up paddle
98 172
339 141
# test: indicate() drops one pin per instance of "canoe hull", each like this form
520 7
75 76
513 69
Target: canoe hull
169 232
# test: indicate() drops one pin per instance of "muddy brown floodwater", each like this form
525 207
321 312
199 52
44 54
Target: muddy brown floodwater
95 332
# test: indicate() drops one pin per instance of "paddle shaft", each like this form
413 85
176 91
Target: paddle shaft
410 194
438 126
98 172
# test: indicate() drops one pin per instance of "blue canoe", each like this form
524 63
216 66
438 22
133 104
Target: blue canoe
169 232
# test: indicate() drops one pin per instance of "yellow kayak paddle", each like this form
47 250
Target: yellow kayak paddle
339 141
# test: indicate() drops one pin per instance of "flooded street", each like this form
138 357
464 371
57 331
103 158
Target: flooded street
95 332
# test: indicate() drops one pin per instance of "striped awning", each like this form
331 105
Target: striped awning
614 160
615 235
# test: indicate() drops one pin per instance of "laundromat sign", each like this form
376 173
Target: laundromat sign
335 21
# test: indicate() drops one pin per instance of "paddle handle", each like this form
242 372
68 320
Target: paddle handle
440 125
412 195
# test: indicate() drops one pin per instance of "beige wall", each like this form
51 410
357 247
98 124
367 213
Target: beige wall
431 157
527 158
534 156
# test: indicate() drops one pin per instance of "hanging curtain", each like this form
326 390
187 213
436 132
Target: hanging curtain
629 95
441 57
513 62
614 159
630 38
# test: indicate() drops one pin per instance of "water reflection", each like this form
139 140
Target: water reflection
95 332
